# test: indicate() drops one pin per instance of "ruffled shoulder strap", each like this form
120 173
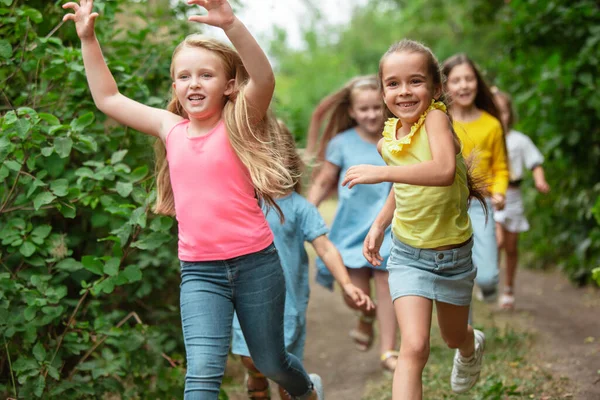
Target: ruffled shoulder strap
391 126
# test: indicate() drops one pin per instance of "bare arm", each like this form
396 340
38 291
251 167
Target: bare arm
540 180
324 182
333 261
149 120
439 171
374 239
261 85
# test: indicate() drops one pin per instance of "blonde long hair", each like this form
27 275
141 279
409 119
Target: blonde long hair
257 143
475 185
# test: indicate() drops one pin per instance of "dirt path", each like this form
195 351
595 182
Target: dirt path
566 321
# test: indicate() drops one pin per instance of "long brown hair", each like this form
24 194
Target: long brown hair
256 143
339 119
484 100
476 186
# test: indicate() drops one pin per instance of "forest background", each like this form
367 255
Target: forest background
89 276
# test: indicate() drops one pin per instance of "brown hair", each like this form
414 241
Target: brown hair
484 100
476 186
256 143
337 107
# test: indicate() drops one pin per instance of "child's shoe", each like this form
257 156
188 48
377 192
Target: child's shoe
317 386
465 372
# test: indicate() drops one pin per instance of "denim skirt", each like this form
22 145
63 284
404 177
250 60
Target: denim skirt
441 275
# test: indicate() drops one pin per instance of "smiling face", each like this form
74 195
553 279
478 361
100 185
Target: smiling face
462 85
200 83
367 110
408 87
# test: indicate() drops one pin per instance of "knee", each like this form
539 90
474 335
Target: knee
415 350
511 251
272 368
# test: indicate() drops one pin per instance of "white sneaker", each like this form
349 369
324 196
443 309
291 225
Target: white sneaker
465 373
318 386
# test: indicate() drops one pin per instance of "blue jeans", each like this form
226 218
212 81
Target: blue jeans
254 286
485 249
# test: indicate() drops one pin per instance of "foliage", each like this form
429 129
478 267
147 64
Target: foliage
548 63
89 279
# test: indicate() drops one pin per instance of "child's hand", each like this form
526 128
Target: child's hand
359 297
362 174
542 186
219 14
498 201
372 244
84 18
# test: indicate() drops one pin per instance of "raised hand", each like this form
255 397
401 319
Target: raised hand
359 297
372 244
219 13
83 17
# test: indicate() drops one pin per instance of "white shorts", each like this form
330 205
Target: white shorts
512 218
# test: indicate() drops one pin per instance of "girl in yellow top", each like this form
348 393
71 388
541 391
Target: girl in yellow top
477 123
430 259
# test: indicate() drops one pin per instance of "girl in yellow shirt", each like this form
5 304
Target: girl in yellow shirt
430 259
476 121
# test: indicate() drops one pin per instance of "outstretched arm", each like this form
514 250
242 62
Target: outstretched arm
261 85
315 124
333 261
149 120
439 171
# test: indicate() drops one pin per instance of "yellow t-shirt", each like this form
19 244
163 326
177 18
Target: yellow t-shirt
484 139
426 216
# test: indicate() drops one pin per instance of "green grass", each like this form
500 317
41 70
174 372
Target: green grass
511 369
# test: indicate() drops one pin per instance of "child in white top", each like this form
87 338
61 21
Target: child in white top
511 221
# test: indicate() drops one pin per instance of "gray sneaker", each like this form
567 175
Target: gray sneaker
318 386
465 373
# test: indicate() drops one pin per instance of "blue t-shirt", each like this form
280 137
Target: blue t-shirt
303 223
357 207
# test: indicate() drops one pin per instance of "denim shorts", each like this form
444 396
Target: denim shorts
446 276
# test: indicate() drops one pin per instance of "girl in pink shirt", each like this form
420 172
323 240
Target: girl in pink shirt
218 160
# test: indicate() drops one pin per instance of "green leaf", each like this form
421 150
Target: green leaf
112 266
118 156
4 172
161 223
6 2
60 187
132 273
5 49
124 188
12 164
39 352
30 313
27 249
68 211
84 172
63 146
92 264
82 122
42 199
49 118
23 126
34 14
68 265
153 241
39 386
53 372
42 231
139 173
47 151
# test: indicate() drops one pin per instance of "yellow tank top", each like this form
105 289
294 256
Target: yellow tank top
426 216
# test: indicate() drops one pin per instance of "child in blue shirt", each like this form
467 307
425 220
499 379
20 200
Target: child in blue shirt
302 223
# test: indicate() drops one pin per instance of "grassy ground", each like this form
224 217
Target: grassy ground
511 368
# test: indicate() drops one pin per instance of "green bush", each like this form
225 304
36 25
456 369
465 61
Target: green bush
89 277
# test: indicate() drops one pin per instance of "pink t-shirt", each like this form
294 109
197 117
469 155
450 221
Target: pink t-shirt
218 214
